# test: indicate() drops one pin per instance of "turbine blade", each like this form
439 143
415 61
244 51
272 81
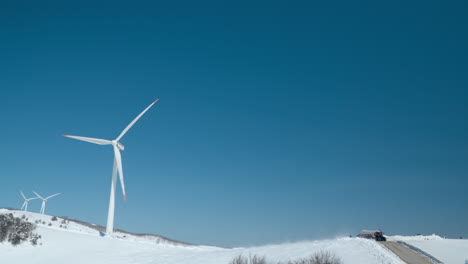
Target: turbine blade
38 195
52 196
92 140
22 194
135 120
118 160
29 199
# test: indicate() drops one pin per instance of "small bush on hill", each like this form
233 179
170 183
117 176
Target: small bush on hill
35 239
16 230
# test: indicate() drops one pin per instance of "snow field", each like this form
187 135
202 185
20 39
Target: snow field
449 251
78 244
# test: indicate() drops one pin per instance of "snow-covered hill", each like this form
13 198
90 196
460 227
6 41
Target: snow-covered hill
449 251
71 242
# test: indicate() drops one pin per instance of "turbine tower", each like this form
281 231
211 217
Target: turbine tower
117 146
26 201
44 201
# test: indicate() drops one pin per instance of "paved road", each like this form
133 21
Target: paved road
407 255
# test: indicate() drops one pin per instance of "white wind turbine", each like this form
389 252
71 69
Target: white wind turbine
44 201
117 165
26 201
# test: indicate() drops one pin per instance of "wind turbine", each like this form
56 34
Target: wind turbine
26 201
117 165
44 201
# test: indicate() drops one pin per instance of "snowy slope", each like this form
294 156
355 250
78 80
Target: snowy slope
80 244
449 251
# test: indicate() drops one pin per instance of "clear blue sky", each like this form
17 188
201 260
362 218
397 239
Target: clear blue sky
277 121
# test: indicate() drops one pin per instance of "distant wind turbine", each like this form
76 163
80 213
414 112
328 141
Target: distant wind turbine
26 201
44 201
117 165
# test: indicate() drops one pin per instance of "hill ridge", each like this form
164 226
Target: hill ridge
47 222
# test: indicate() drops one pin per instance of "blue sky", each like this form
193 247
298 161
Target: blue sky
277 121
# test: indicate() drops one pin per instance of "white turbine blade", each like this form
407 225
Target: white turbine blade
38 195
24 204
22 194
52 196
118 160
135 120
29 199
92 140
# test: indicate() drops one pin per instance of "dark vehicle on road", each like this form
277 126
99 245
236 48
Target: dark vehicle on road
372 234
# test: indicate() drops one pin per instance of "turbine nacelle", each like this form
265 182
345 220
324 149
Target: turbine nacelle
119 145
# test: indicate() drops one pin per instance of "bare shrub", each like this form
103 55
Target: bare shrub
248 260
54 218
325 257
238 260
321 257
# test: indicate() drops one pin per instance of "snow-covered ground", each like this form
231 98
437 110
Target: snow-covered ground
449 251
80 244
